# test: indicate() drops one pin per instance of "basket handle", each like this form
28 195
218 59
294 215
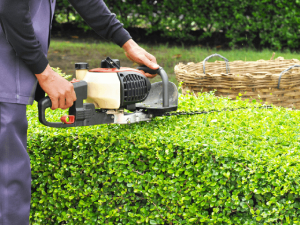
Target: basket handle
213 55
284 72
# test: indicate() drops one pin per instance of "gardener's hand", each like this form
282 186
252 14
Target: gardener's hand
139 55
60 91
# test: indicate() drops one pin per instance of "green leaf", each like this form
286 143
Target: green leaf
153 222
258 218
192 219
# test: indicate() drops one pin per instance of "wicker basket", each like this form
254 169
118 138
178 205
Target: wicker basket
271 81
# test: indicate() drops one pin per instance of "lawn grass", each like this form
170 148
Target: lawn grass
64 54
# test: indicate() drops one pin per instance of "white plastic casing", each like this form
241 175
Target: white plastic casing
103 89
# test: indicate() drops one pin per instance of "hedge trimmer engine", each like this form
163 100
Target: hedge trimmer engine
110 90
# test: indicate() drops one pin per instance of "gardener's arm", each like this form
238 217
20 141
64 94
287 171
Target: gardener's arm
17 26
105 24
16 23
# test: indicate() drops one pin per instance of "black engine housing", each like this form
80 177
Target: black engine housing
135 88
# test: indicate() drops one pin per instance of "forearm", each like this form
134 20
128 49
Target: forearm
99 17
16 23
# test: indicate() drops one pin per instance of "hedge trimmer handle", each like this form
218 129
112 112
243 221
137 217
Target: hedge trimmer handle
80 89
165 80
42 106
147 70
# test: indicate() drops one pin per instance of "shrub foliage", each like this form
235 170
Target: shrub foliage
232 167
272 23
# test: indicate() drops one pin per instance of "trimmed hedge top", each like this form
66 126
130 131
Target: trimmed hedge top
238 167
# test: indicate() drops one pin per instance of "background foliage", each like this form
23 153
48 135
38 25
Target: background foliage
272 23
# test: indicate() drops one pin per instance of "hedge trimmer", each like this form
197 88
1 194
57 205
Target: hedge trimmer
111 89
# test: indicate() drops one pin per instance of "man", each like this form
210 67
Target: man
25 75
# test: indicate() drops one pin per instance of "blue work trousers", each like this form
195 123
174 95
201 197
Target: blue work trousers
15 172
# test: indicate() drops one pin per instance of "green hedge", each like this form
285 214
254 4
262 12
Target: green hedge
272 23
239 167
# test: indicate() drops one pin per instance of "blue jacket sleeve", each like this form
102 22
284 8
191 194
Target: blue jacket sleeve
16 23
98 16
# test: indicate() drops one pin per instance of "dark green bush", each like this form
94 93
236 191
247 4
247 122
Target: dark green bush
239 167
272 23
